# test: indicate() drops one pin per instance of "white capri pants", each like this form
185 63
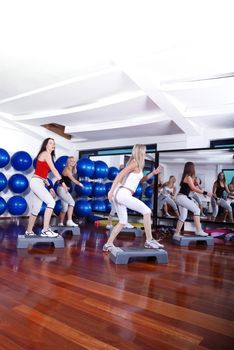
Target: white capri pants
222 203
124 199
163 199
185 204
66 198
39 195
113 208
195 197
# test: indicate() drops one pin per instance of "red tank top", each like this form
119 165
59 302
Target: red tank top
42 169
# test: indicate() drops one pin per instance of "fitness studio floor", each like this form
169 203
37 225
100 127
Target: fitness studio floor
75 298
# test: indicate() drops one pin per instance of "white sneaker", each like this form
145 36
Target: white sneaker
109 227
201 233
49 233
108 247
176 236
60 224
128 226
30 234
71 223
153 244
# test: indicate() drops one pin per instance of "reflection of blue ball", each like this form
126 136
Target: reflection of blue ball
85 167
82 208
61 163
3 182
112 173
139 190
18 183
98 205
58 207
4 158
99 189
3 205
108 205
16 205
21 161
101 170
84 191
148 203
149 192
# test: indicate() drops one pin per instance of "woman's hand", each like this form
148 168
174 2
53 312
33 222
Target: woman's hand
156 170
65 186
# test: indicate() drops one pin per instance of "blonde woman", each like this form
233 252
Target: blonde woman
167 196
121 193
66 198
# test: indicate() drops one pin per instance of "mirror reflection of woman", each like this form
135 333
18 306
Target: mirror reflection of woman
218 199
185 203
195 196
167 197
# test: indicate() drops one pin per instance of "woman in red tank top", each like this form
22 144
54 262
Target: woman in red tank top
39 192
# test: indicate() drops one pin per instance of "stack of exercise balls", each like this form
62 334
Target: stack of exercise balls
17 183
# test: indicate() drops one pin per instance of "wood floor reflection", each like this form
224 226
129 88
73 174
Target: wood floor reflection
75 298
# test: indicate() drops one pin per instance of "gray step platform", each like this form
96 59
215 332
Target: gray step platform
25 242
62 229
123 255
138 232
185 240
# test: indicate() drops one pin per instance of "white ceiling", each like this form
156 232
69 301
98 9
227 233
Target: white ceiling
112 70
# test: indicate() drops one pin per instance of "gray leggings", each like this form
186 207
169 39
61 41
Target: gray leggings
186 204
222 203
162 199
39 195
66 198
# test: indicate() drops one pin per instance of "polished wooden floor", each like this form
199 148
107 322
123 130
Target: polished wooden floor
75 298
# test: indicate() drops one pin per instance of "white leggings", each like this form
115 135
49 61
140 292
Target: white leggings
195 198
39 195
222 203
166 199
185 204
123 199
66 198
113 209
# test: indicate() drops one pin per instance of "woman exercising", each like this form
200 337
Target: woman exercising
122 191
39 192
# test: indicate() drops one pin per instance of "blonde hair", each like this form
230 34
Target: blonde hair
138 154
170 182
68 161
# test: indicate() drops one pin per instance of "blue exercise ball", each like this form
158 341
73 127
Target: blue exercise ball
85 191
139 190
3 205
98 205
108 205
108 186
112 173
3 182
99 189
148 202
21 161
148 192
16 205
18 183
82 208
58 207
61 163
4 158
101 170
85 167
42 210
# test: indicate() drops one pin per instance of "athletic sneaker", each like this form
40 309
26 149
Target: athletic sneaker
71 223
176 236
128 226
29 234
60 224
49 233
108 247
109 227
201 233
153 244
